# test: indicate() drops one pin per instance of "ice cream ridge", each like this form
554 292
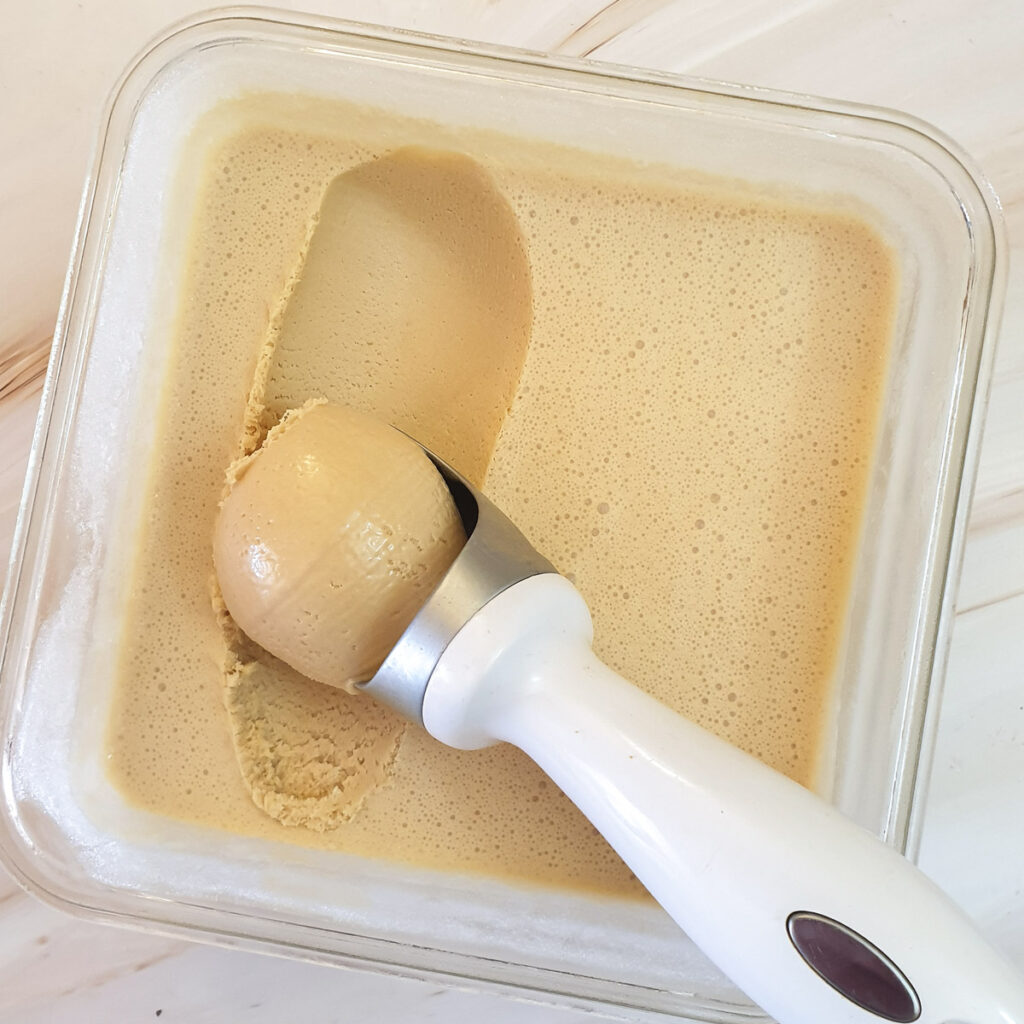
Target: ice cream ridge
330 538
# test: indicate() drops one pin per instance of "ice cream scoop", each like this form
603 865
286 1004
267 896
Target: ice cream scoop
811 915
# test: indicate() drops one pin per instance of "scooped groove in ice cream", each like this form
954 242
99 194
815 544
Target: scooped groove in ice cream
330 538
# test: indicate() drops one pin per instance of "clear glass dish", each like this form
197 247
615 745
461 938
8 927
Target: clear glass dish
66 833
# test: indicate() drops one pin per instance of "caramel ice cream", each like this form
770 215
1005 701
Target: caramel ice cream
332 535
615 352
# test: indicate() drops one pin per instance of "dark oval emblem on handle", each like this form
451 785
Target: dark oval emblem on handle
854 967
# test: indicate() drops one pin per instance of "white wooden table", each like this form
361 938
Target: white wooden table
956 63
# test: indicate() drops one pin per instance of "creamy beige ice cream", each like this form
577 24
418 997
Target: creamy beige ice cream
331 537
680 412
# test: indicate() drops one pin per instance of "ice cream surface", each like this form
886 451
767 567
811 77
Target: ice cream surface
330 539
617 353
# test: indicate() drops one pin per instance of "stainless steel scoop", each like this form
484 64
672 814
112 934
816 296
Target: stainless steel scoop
495 557
813 917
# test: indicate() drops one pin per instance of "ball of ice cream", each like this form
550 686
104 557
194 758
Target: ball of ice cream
330 539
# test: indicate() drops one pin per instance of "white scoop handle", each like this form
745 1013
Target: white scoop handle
748 863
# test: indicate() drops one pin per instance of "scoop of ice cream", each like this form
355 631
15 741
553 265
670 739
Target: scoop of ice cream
331 537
